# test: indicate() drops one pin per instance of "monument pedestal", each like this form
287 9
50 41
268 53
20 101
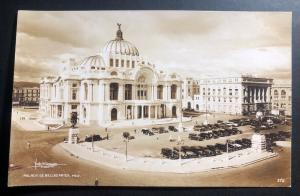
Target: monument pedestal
73 135
258 143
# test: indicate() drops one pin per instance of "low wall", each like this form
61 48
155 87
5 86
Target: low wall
118 160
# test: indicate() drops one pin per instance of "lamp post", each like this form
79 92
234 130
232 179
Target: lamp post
126 140
126 149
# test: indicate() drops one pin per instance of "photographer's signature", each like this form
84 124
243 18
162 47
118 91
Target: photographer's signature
45 165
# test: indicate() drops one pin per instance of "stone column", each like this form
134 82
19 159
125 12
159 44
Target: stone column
268 94
249 95
255 96
155 111
133 93
121 92
155 92
149 111
89 98
103 91
107 92
252 94
265 95
259 97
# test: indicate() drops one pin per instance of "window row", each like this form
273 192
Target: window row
118 63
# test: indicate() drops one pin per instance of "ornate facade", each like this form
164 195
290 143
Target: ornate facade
116 85
232 95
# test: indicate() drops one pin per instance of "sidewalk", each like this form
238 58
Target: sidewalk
118 160
144 122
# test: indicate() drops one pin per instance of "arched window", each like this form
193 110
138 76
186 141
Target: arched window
114 88
128 112
173 91
128 91
142 88
283 94
275 94
114 114
160 89
174 115
113 73
189 105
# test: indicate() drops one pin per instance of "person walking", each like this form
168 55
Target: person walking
28 145
96 182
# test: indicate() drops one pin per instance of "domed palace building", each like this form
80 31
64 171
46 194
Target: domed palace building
116 86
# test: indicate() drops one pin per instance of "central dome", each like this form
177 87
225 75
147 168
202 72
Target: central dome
120 46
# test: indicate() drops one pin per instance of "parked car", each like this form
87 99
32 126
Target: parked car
163 130
147 131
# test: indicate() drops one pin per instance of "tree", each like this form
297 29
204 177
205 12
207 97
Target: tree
126 135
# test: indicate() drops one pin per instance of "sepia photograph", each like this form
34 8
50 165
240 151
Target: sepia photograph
152 99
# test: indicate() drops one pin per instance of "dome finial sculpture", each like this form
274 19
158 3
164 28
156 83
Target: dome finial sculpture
119 32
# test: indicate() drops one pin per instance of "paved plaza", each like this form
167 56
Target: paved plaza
47 146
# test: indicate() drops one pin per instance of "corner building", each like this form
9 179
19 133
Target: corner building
115 86
238 94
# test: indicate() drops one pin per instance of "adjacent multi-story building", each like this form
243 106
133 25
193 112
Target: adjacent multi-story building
239 94
116 85
190 88
26 96
282 97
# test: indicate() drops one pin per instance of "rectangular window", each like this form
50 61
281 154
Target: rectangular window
128 91
117 62
236 91
133 64
111 62
73 107
160 92
74 94
122 63
128 63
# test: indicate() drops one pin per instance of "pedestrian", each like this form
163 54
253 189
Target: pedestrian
48 127
96 182
28 145
107 136
135 131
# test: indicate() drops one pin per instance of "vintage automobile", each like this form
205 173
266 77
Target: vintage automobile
147 131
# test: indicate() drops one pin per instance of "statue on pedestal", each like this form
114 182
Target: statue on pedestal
74 119
73 131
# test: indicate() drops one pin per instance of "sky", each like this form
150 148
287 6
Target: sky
191 43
